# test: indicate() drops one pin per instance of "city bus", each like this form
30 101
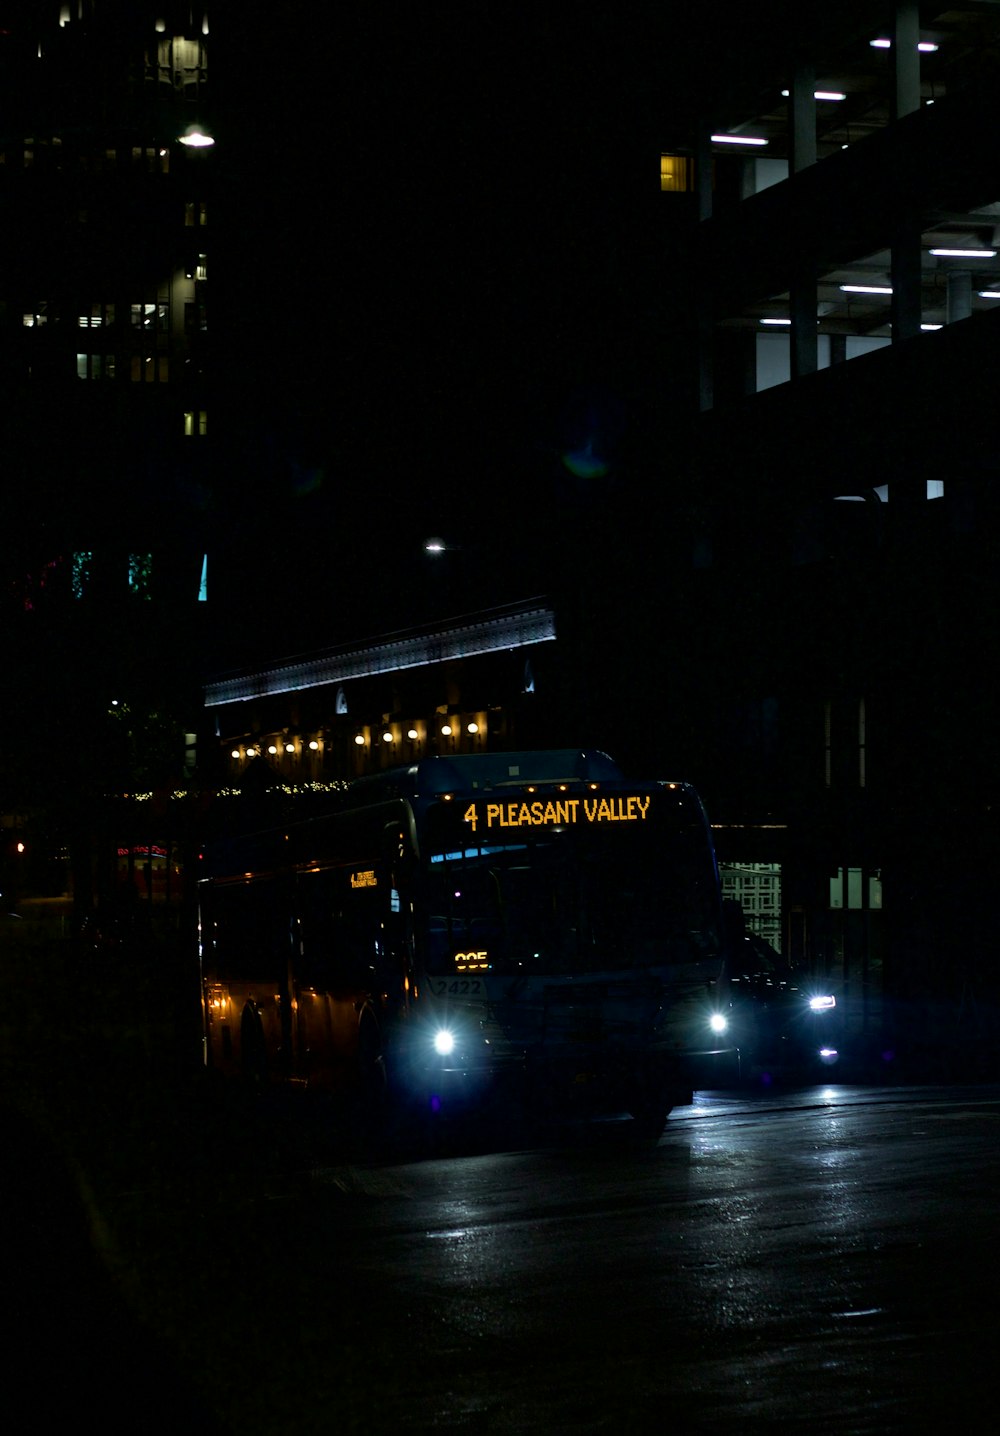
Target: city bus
526 927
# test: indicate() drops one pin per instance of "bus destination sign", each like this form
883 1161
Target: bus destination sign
557 812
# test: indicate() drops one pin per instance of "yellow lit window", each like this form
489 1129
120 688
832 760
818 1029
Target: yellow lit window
195 423
149 369
675 172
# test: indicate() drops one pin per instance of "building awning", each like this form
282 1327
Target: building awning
513 626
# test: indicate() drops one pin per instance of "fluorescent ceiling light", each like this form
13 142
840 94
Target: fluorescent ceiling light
927 46
989 293
965 253
866 289
822 95
736 140
932 326
788 321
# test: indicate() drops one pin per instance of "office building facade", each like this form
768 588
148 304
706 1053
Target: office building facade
847 248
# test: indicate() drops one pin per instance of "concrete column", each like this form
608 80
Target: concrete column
905 278
958 295
805 345
838 348
703 170
703 179
802 117
906 58
706 358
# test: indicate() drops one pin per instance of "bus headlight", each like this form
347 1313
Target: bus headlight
444 1042
822 1002
717 1022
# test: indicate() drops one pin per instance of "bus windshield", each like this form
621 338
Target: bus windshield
565 899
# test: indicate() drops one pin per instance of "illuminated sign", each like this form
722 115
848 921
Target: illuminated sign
364 879
477 961
558 812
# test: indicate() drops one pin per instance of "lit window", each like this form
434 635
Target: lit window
187 54
95 366
195 213
101 316
195 423
81 573
149 369
154 160
676 172
140 571
149 316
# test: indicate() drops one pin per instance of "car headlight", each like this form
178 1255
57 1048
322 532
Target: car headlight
717 1022
822 1002
444 1042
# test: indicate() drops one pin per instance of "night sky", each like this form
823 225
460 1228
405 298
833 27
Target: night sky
480 293
464 216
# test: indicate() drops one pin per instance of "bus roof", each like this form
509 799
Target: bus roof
481 772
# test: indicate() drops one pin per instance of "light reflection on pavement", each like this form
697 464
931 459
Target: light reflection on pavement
781 1260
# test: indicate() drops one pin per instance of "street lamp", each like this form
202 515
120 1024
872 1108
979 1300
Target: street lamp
195 138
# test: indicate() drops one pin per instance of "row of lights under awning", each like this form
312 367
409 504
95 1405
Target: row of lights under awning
448 728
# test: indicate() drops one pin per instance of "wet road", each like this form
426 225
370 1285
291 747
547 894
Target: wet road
824 1259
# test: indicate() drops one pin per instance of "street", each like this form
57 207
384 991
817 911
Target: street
824 1257
780 1259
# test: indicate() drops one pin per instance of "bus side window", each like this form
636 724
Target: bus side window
250 932
315 939
358 935
341 928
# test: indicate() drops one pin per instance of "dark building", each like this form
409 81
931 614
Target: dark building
108 199
834 699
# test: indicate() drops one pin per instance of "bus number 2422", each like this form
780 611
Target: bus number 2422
458 987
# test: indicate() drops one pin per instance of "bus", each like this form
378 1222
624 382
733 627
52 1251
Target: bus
529 927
